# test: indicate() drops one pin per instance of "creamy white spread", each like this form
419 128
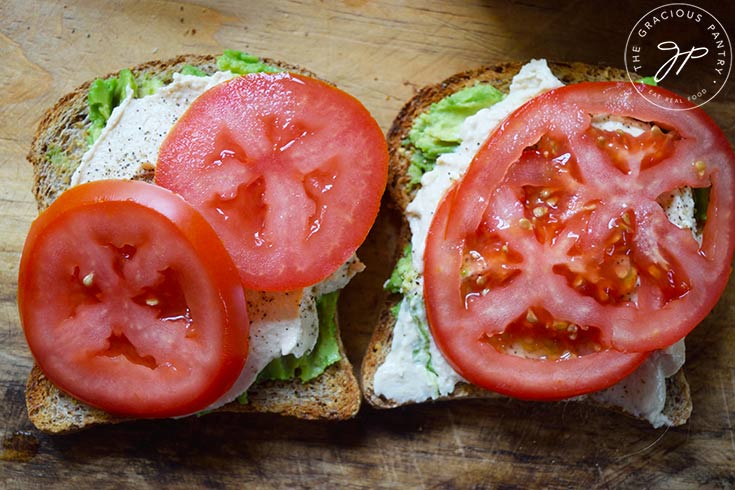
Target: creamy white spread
411 372
280 323
406 376
609 122
643 393
129 142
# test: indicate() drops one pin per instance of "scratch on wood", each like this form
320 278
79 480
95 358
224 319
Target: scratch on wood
599 474
419 471
646 448
727 413
455 434
388 467
496 439
340 463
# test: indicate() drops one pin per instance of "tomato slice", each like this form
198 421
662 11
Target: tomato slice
130 302
288 169
551 269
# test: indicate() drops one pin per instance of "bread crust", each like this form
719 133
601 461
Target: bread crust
333 395
678 405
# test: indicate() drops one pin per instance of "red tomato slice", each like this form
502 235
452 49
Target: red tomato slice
552 270
289 171
130 302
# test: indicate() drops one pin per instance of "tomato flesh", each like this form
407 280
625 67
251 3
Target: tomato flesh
289 171
577 206
130 303
648 149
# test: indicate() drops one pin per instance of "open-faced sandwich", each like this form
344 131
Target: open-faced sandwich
562 236
213 283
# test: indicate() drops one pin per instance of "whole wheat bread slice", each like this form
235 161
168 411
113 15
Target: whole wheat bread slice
333 395
678 405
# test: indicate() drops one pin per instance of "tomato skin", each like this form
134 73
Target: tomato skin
92 335
288 169
680 281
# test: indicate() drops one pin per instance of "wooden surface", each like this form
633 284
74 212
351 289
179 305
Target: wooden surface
380 51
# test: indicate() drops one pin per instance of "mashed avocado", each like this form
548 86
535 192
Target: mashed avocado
324 354
433 133
243 63
192 70
106 94
437 130
401 277
404 272
648 81
59 159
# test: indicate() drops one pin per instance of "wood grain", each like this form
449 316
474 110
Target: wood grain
380 51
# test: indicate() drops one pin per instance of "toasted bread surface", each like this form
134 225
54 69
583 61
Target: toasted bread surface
333 395
678 404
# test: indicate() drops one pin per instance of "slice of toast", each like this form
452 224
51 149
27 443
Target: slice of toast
333 395
678 404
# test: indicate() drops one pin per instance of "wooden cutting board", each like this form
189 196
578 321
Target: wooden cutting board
379 51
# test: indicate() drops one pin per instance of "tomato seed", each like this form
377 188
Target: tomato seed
700 166
559 325
88 280
622 271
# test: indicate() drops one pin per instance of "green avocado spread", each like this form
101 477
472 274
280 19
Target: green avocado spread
437 131
59 159
192 70
402 274
324 354
103 96
243 63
